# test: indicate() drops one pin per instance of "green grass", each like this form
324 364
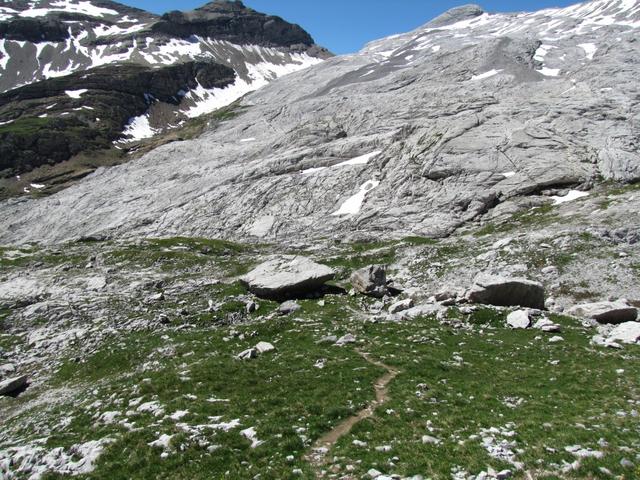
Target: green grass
535 217
456 378
182 253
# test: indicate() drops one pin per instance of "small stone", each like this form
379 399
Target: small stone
546 325
428 439
264 347
247 354
251 306
327 339
626 463
556 339
401 306
288 307
504 475
345 339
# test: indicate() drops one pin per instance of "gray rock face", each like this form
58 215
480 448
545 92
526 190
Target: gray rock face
605 312
11 385
418 134
504 291
371 280
287 276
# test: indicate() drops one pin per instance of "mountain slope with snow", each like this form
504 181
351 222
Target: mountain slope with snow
475 116
47 46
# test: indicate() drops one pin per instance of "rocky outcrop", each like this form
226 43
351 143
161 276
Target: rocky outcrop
506 291
233 22
605 312
287 276
51 121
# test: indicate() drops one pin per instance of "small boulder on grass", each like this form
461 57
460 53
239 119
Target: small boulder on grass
371 281
519 319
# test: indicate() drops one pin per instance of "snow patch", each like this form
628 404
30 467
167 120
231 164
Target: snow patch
67 6
361 160
590 49
353 204
484 75
76 93
569 197
137 129
508 174
549 72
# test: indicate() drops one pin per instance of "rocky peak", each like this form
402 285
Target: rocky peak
455 15
233 22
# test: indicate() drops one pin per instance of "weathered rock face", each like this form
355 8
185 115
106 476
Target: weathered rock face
504 291
287 276
418 134
605 312
371 280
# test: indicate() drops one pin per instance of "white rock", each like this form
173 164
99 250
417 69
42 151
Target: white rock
519 319
627 332
264 347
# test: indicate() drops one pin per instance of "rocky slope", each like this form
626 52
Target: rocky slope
52 112
421 133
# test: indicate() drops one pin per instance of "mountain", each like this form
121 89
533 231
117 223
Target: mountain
471 116
79 76
417 261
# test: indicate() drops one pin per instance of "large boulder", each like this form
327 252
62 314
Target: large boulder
506 291
287 276
371 280
605 312
11 385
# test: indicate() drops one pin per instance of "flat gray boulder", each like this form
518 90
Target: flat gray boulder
506 291
371 281
627 332
10 385
605 312
287 276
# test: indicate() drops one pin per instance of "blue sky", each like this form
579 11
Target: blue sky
344 26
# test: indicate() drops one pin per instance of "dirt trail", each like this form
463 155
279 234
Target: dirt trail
318 457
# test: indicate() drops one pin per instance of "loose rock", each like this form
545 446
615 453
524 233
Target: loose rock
503 291
371 280
519 319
